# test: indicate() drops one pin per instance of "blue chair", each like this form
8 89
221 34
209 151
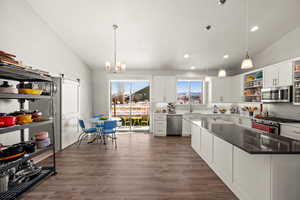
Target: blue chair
85 132
109 130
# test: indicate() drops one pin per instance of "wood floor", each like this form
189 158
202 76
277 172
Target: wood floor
142 168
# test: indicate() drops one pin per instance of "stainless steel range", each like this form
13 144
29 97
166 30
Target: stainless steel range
271 124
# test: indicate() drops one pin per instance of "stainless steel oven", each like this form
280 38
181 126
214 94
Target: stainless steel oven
276 94
266 126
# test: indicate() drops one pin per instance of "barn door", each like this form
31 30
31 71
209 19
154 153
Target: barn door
70 111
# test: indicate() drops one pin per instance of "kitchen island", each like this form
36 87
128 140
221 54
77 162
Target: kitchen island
254 165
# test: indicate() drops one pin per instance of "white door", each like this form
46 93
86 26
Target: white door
70 112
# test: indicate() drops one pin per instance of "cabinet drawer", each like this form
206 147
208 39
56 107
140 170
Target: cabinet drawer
160 117
160 123
160 129
290 131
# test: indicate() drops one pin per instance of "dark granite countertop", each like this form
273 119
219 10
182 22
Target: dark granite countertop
247 139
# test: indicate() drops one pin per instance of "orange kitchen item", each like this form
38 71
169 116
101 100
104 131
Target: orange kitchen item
24 119
30 91
297 68
12 157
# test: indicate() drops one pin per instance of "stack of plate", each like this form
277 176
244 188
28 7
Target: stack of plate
42 140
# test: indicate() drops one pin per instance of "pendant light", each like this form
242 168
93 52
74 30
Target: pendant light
118 66
247 62
222 73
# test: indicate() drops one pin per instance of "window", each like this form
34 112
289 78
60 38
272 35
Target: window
189 92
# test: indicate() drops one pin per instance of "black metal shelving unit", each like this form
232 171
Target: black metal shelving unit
16 73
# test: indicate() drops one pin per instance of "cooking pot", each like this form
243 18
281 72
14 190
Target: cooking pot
7 121
29 147
11 153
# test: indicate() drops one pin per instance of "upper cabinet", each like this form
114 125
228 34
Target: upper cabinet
164 89
285 73
226 90
280 74
220 90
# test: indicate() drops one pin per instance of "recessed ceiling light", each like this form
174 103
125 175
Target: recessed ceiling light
226 56
221 2
208 27
186 56
254 28
192 67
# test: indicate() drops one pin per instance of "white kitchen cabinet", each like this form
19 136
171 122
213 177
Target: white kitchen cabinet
285 177
285 73
290 131
252 175
249 176
160 124
279 74
206 146
270 75
164 89
186 127
222 159
236 89
226 90
220 90
196 138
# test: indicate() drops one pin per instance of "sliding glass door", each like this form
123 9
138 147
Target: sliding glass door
130 101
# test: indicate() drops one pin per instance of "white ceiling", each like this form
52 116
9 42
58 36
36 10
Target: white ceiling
155 34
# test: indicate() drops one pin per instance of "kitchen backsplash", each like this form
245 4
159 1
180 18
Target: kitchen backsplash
284 110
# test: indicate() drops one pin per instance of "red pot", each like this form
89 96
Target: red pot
7 121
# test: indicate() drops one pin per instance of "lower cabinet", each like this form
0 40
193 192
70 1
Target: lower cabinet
160 124
285 177
251 175
186 127
196 138
206 146
223 159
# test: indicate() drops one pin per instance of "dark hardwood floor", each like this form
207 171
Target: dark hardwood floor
142 168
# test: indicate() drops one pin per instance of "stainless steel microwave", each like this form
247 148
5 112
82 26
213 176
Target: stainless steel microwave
277 94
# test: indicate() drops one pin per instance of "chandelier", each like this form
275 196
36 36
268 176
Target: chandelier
117 66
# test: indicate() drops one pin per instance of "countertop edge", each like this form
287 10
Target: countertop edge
245 150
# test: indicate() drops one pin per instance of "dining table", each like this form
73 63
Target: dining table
99 123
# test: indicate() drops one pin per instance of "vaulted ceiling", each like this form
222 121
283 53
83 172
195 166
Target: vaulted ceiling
155 34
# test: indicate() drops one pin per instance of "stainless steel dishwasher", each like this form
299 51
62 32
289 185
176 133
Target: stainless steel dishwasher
174 125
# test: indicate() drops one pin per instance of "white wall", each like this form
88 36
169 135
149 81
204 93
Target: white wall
285 48
24 33
101 83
